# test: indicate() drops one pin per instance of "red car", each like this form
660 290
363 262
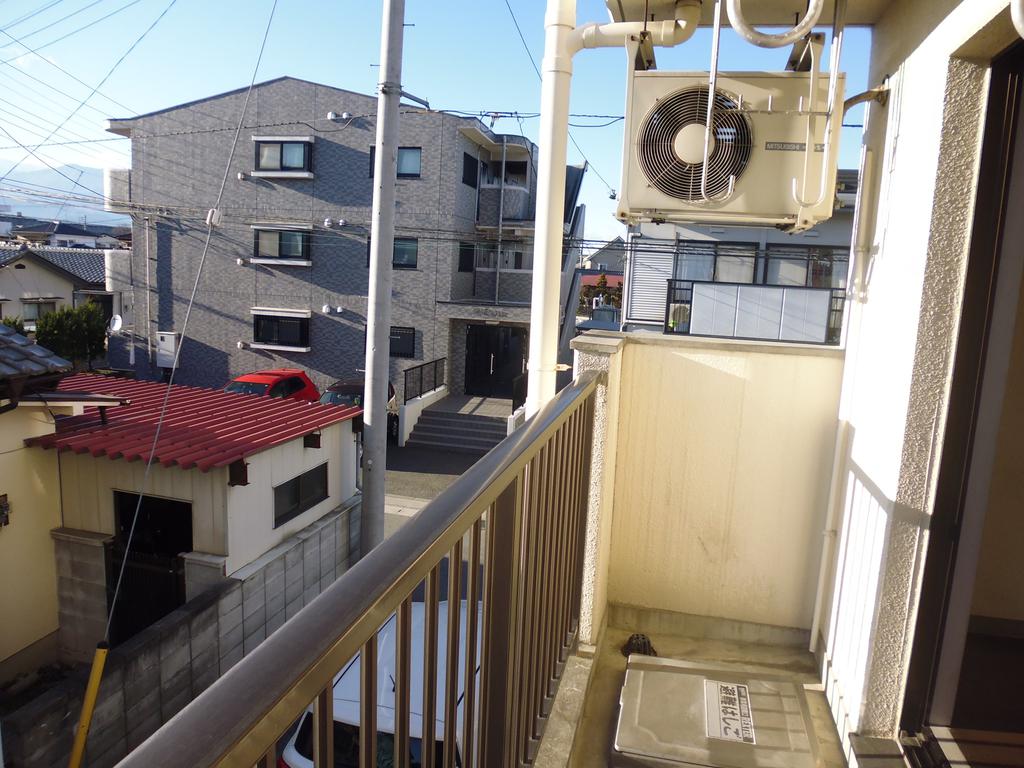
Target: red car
277 382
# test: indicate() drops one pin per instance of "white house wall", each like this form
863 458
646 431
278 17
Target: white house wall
922 167
250 508
32 282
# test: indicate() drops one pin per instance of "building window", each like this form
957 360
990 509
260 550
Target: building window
299 494
283 156
403 256
470 170
408 162
281 244
406 251
467 257
281 331
31 311
403 341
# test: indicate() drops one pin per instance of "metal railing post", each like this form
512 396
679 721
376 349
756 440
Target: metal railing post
498 677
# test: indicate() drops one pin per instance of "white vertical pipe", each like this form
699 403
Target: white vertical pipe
149 299
378 311
559 24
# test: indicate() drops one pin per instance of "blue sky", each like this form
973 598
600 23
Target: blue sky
459 54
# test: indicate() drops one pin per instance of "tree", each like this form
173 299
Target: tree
16 323
77 334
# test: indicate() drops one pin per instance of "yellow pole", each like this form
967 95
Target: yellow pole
88 705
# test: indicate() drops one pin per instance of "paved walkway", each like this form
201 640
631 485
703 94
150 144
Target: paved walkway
476 406
422 473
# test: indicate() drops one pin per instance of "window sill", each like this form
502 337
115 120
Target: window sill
281 174
278 347
404 268
283 262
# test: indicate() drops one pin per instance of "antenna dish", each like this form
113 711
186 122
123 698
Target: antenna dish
115 324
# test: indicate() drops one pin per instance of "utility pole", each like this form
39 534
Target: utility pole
378 311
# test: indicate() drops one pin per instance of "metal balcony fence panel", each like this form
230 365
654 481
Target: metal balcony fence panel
517 521
421 379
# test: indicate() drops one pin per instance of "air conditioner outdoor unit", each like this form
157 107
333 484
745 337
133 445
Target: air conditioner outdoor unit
758 169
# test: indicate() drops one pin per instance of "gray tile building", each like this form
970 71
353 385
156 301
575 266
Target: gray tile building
286 277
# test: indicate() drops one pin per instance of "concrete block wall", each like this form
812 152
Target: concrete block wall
81 591
152 676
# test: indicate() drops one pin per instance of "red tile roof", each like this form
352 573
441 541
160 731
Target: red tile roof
203 428
614 280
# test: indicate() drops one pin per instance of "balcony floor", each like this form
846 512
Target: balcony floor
596 733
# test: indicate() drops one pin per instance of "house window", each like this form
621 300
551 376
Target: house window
403 341
283 156
470 170
408 162
467 257
31 311
281 331
299 494
281 244
404 254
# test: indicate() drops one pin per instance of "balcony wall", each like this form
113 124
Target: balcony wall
717 464
516 204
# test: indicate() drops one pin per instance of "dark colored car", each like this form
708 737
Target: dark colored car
277 382
349 392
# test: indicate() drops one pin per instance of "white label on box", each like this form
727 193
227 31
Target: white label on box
727 712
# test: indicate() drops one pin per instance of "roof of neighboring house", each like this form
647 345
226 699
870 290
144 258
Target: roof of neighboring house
20 357
84 265
51 228
591 276
203 428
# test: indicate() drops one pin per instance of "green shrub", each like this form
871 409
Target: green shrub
16 323
77 334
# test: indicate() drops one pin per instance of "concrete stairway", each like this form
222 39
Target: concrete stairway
460 432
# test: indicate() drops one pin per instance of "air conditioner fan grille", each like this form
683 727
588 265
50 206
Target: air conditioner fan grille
671 174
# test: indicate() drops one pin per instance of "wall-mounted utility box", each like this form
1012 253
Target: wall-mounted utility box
166 348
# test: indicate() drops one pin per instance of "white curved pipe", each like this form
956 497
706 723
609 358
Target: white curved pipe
1017 14
663 33
764 40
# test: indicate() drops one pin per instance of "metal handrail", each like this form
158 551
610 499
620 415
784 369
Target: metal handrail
439 363
238 720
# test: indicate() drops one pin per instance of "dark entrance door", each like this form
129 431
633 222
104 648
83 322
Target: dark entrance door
495 356
153 584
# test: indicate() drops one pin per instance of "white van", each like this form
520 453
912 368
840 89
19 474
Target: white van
299 751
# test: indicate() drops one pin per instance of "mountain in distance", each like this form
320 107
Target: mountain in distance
50 182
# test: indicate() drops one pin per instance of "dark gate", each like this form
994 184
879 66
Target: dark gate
153 584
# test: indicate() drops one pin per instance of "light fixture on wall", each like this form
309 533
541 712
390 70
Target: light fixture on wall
240 262
242 176
242 345
326 309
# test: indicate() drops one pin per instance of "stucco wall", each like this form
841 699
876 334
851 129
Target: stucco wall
28 476
722 476
916 209
33 282
250 508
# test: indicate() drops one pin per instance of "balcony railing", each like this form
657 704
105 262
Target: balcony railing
754 311
516 522
424 378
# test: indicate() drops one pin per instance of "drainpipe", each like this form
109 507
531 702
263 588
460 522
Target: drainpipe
562 40
501 218
149 298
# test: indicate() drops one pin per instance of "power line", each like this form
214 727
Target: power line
74 31
536 69
111 71
188 313
27 16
